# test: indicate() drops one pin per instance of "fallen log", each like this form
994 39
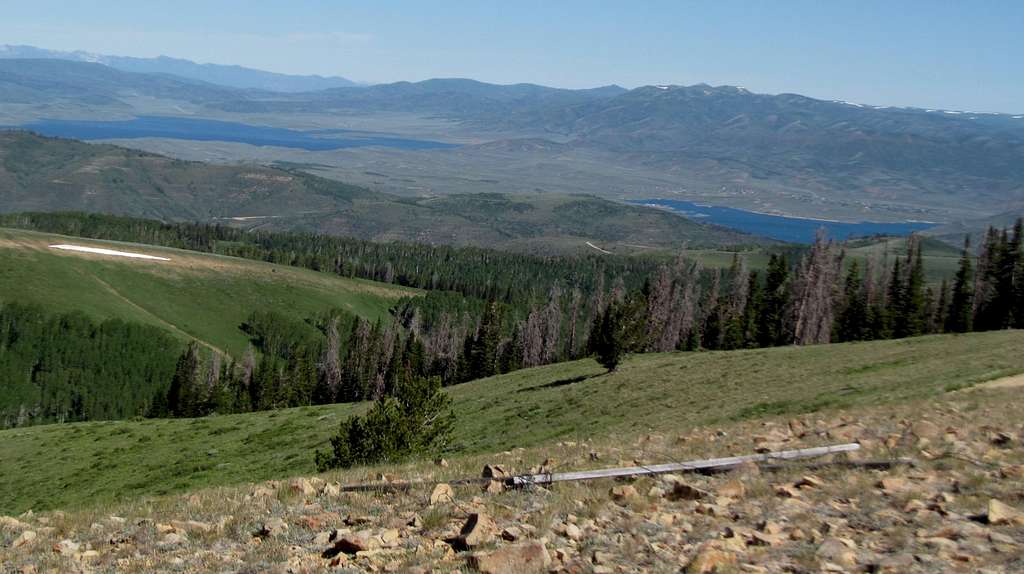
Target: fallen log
704 465
768 461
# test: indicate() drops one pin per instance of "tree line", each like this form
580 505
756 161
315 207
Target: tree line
509 311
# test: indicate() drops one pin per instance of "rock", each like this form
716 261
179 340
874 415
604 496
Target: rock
319 520
441 462
11 523
809 481
494 487
837 551
1000 513
27 538
896 564
892 484
733 489
573 532
926 429
683 491
302 486
441 494
331 489
603 558
624 493
66 547
518 558
273 527
478 530
711 560
352 543
786 491
494 471
511 534
390 538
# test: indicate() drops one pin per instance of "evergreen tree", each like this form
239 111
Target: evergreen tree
852 321
960 318
184 383
608 341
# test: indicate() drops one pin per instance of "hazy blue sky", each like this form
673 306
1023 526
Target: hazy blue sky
964 55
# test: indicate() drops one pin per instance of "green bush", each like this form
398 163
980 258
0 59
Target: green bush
416 421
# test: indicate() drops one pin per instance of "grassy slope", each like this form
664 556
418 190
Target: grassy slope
193 295
89 463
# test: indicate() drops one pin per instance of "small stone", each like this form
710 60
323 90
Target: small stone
683 491
892 484
27 538
624 493
441 494
441 462
1001 513
809 481
478 530
711 560
526 558
352 543
733 489
273 527
66 547
837 551
494 487
511 534
573 532
495 471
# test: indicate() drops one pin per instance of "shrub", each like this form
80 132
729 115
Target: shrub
416 421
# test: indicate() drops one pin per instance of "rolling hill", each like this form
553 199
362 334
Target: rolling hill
47 174
191 296
87 464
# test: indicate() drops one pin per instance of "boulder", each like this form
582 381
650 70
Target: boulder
525 558
66 547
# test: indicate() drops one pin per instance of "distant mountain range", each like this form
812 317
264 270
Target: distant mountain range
231 76
783 153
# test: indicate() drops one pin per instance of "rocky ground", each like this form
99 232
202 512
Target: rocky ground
959 508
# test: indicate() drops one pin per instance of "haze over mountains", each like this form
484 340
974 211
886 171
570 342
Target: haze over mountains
785 154
232 76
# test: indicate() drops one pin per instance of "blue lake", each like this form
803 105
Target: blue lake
791 229
214 130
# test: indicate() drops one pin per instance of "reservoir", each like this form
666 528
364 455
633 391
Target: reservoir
791 229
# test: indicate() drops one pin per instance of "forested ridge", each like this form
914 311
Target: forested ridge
490 312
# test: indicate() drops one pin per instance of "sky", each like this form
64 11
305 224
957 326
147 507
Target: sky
933 54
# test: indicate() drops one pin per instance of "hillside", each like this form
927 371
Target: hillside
47 174
571 401
958 504
193 295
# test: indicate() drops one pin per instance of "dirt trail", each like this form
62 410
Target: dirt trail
144 311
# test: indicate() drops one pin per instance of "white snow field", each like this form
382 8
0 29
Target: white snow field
101 251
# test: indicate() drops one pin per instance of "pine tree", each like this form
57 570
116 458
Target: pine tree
772 321
852 321
184 383
608 343
960 318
